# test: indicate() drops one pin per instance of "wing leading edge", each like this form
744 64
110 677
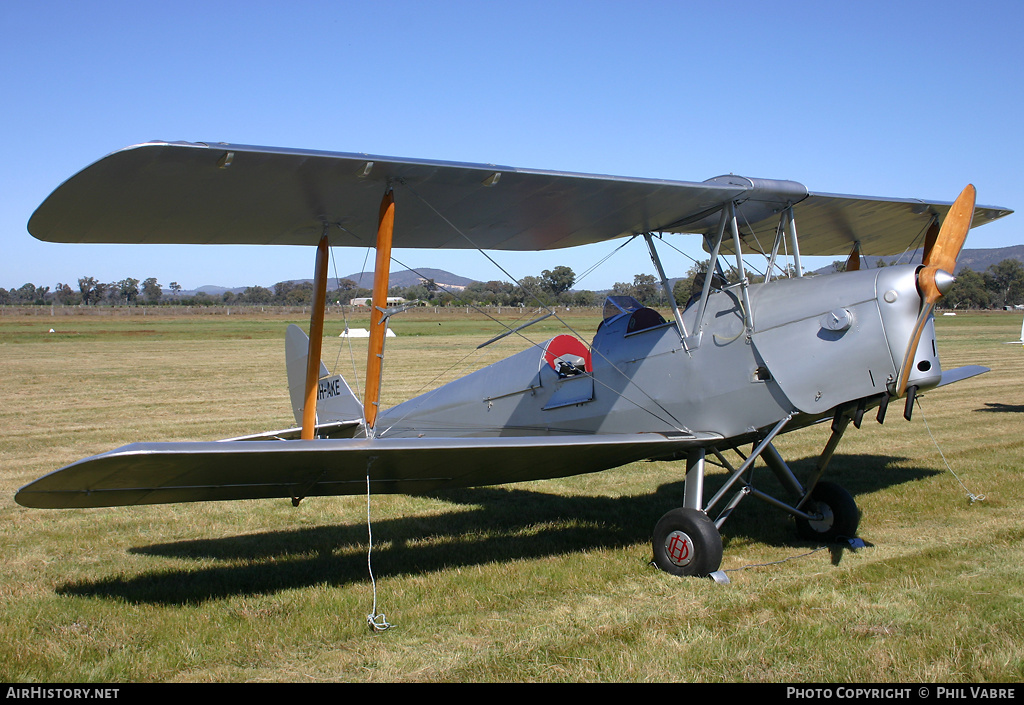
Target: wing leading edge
187 193
198 193
164 473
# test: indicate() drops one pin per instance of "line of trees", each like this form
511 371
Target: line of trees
552 286
1000 285
90 292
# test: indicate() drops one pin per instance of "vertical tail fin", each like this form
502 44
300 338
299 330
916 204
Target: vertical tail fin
335 400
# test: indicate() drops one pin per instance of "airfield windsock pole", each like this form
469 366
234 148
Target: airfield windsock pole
316 337
375 354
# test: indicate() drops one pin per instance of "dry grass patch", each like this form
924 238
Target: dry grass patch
544 581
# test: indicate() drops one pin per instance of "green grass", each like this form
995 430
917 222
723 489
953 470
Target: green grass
542 581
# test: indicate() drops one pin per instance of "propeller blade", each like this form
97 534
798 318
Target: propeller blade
935 278
950 240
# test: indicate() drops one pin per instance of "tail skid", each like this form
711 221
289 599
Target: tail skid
335 400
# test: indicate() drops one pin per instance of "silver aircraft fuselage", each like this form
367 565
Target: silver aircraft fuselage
812 344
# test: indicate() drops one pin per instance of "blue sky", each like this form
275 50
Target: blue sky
902 99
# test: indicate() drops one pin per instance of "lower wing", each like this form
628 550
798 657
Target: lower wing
164 473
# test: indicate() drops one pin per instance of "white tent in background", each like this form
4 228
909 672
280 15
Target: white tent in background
362 333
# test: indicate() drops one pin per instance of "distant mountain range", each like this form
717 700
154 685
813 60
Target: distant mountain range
404 278
978 259
408 277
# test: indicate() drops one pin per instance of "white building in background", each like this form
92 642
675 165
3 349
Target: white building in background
365 301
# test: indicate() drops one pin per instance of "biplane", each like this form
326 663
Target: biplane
737 365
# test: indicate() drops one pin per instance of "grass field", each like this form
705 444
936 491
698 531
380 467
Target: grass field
545 581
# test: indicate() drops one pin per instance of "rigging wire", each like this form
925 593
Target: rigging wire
913 243
677 425
678 251
593 267
344 315
760 248
458 362
674 423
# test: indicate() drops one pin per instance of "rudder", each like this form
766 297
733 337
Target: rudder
335 400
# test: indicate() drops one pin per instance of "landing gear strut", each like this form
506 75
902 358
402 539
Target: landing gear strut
688 543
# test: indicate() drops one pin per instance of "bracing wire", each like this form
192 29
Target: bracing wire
678 251
919 238
540 303
344 315
674 422
760 248
593 267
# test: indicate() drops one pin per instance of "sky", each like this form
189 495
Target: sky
900 99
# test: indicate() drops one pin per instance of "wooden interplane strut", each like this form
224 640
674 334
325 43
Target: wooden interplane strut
853 261
316 336
375 353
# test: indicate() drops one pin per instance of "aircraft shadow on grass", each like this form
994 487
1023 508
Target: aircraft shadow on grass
994 406
504 524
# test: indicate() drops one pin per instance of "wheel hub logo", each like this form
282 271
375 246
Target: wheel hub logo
679 548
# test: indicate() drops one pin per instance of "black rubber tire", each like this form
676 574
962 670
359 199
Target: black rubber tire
687 543
840 510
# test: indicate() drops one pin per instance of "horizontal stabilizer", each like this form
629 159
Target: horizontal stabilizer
163 473
332 429
958 374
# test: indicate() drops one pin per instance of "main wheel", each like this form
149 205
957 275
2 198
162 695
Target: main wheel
686 542
840 515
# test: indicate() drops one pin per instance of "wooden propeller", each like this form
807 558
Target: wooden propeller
935 278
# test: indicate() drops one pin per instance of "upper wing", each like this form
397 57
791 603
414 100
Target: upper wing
232 194
830 224
195 193
161 473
